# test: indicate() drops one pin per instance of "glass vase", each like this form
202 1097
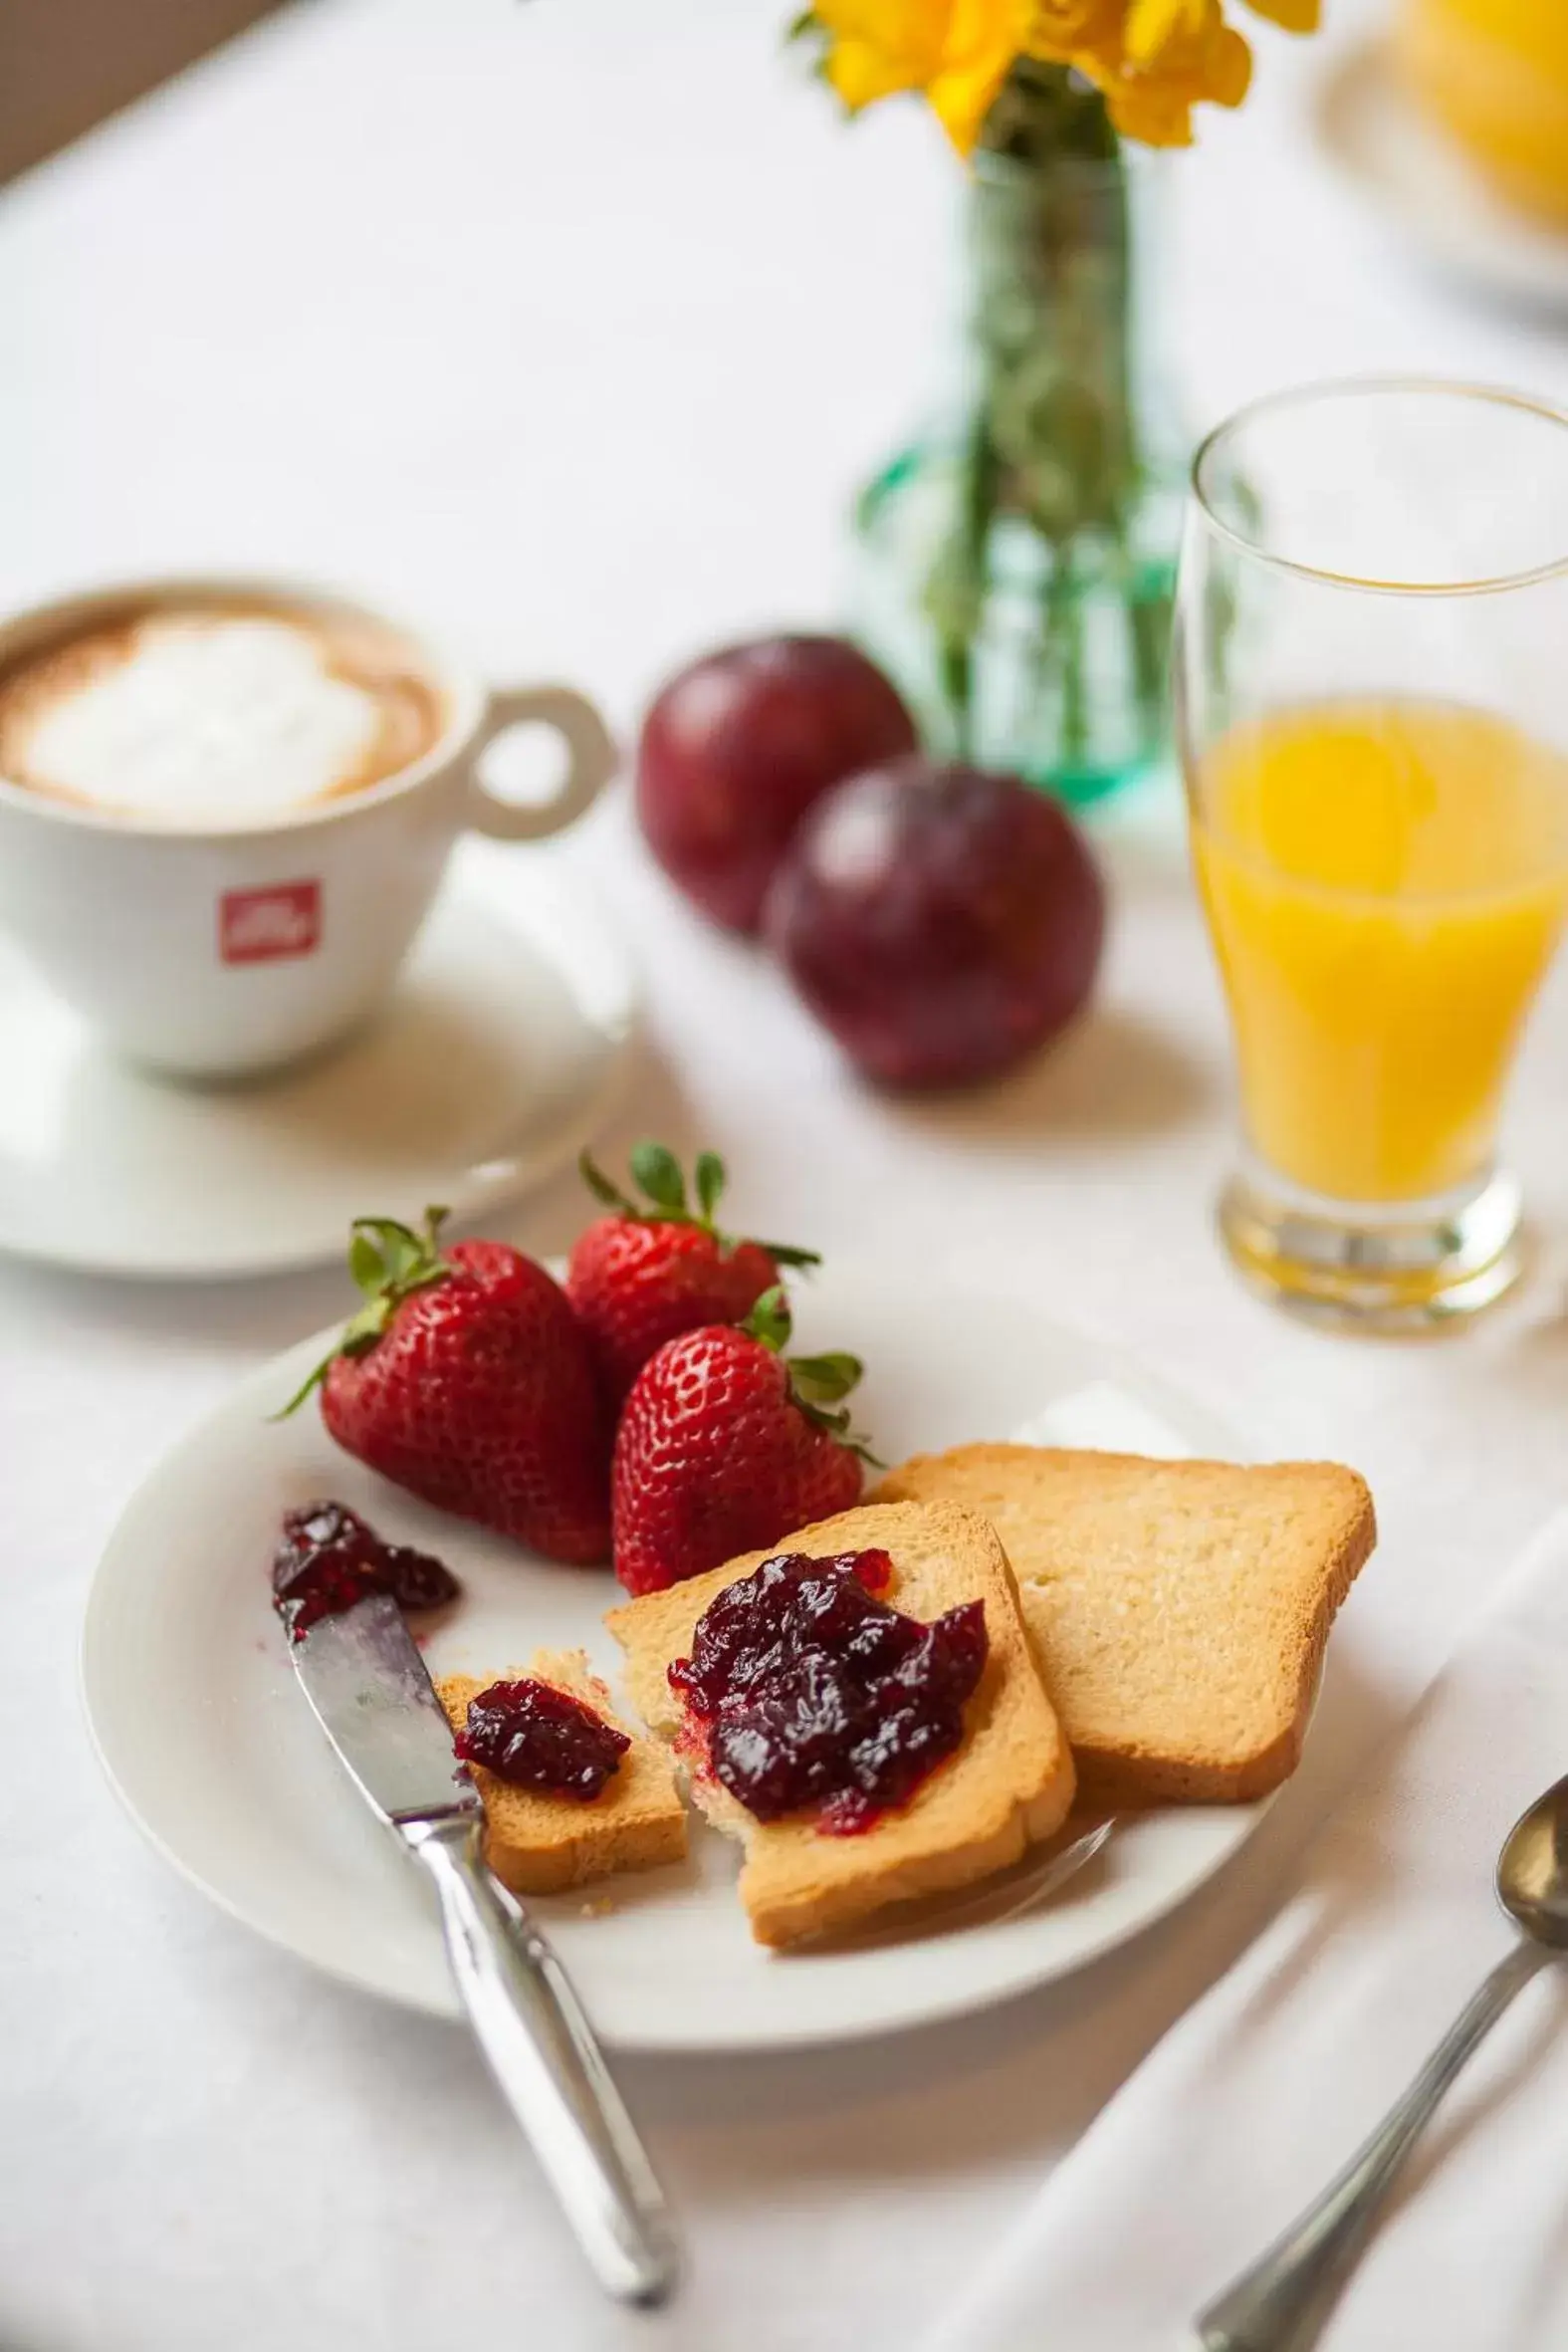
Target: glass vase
1017 562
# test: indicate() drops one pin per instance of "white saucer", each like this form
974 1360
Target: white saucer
1422 184
499 1054
208 1740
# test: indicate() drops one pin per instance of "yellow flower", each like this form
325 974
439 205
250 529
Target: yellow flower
878 48
1060 29
1156 26
1297 16
1155 60
957 50
1175 55
1155 113
1188 41
1227 69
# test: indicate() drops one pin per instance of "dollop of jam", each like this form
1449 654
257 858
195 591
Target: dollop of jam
537 1736
807 1689
327 1559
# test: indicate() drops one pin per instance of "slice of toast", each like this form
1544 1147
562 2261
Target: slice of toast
1009 1784
1179 1610
535 1842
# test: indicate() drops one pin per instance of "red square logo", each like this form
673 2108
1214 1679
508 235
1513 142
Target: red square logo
264 926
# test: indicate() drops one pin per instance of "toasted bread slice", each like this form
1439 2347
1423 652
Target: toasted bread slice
1008 1785
537 1843
1178 1608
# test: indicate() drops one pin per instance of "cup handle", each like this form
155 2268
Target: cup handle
591 761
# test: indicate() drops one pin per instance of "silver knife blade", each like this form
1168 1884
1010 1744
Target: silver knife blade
373 1697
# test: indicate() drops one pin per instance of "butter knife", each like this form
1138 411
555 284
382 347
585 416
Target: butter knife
368 1685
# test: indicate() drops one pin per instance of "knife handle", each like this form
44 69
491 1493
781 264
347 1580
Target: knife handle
540 2050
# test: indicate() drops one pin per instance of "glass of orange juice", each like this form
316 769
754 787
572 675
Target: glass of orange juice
1494 74
1371 678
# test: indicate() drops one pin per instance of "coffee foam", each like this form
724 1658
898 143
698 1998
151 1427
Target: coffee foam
200 717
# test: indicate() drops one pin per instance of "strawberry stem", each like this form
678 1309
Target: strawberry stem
817 1383
659 1176
389 1261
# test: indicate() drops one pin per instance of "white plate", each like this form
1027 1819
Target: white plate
1424 185
209 1742
504 1046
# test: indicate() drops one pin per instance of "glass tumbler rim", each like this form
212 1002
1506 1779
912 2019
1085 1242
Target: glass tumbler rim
1338 388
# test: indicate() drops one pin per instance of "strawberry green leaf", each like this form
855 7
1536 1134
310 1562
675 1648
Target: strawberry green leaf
836 1425
710 1175
770 1320
359 1335
817 1385
786 1254
658 1172
407 1256
307 1387
362 1332
396 1244
823 1379
366 1264
601 1185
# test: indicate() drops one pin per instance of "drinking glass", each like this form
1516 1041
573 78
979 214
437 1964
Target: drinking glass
1371 682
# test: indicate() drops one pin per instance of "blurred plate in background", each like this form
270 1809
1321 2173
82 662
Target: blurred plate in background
1421 183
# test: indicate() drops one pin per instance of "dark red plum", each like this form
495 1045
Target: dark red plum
736 747
940 921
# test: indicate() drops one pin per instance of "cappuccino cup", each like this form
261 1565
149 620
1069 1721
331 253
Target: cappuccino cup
227 804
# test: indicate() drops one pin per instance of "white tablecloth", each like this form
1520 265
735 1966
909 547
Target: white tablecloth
576 323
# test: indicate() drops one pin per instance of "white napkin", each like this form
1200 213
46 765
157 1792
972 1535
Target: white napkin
1256 2097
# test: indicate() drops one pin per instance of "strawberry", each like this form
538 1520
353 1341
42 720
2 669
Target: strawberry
645 1274
724 1446
465 1379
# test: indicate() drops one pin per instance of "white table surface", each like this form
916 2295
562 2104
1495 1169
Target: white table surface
575 324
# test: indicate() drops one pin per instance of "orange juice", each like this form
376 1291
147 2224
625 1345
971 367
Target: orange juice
1494 73
1386 882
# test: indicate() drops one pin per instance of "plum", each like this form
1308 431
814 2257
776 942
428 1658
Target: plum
736 747
942 922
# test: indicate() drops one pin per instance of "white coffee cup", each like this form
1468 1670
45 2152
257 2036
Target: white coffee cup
213 951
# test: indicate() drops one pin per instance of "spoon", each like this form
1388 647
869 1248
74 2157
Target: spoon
1284 2302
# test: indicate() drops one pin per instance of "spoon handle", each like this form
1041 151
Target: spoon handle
1283 2302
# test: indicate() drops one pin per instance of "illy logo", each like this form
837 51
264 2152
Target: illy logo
262 926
